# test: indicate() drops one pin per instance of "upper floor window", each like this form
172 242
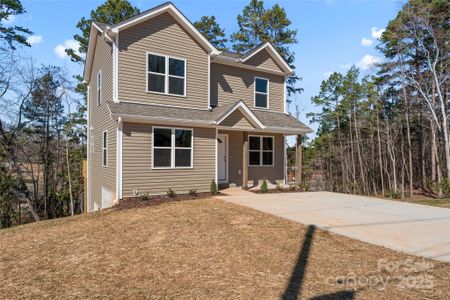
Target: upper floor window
260 150
261 92
105 149
166 75
99 87
172 147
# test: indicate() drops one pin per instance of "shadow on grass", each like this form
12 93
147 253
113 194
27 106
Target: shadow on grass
294 288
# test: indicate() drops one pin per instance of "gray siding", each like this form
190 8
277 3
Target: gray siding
100 121
137 163
162 35
230 84
255 173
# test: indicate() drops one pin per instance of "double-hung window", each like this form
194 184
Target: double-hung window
99 87
172 147
166 75
261 92
261 151
105 149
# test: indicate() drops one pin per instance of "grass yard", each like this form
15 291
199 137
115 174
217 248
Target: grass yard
204 249
433 202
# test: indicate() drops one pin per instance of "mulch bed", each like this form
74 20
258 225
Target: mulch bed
133 202
275 191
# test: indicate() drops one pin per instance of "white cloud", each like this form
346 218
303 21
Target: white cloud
376 33
10 19
60 50
368 61
366 42
327 74
346 66
34 39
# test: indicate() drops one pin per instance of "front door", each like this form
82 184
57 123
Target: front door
222 157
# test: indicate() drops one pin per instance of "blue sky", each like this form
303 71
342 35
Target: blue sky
330 32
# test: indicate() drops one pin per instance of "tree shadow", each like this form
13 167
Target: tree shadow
298 273
294 288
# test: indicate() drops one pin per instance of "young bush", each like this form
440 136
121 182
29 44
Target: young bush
144 197
279 187
171 193
264 187
293 187
193 192
393 195
213 188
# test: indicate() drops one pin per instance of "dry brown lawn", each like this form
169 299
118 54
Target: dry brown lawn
204 249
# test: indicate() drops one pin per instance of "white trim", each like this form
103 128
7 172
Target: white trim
88 148
116 69
97 27
255 92
209 82
216 178
174 12
246 111
99 87
119 159
237 63
285 97
275 55
261 151
172 148
105 148
166 74
226 155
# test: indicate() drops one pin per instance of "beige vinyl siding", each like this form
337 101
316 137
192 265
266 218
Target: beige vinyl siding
100 121
237 121
137 163
255 173
230 84
161 35
263 60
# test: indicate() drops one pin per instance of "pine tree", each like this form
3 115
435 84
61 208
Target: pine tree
14 34
209 27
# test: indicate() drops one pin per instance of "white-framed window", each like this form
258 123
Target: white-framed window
99 87
261 151
172 148
261 92
105 148
166 75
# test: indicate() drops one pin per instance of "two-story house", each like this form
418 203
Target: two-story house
166 109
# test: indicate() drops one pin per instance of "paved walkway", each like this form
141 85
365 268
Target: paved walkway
411 228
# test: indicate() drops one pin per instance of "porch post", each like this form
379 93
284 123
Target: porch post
298 161
245 162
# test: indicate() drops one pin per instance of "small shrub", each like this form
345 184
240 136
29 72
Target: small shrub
279 187
444 186
393 195
264 187
171 193
293 187
144 197
213 188
193 192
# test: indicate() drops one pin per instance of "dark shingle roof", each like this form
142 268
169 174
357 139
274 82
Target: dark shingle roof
272 120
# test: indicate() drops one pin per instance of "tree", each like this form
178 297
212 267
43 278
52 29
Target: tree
110 12
14 34
212 31
258 25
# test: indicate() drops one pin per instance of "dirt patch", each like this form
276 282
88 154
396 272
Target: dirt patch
204 249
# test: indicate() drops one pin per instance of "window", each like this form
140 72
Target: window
105 148
172 147
260 151
166 75
99 87
261 92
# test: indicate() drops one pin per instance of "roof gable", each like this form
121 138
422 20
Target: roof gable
272 52
244 110
264 60
237 120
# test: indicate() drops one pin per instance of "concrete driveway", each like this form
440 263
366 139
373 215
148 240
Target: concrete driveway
410 228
